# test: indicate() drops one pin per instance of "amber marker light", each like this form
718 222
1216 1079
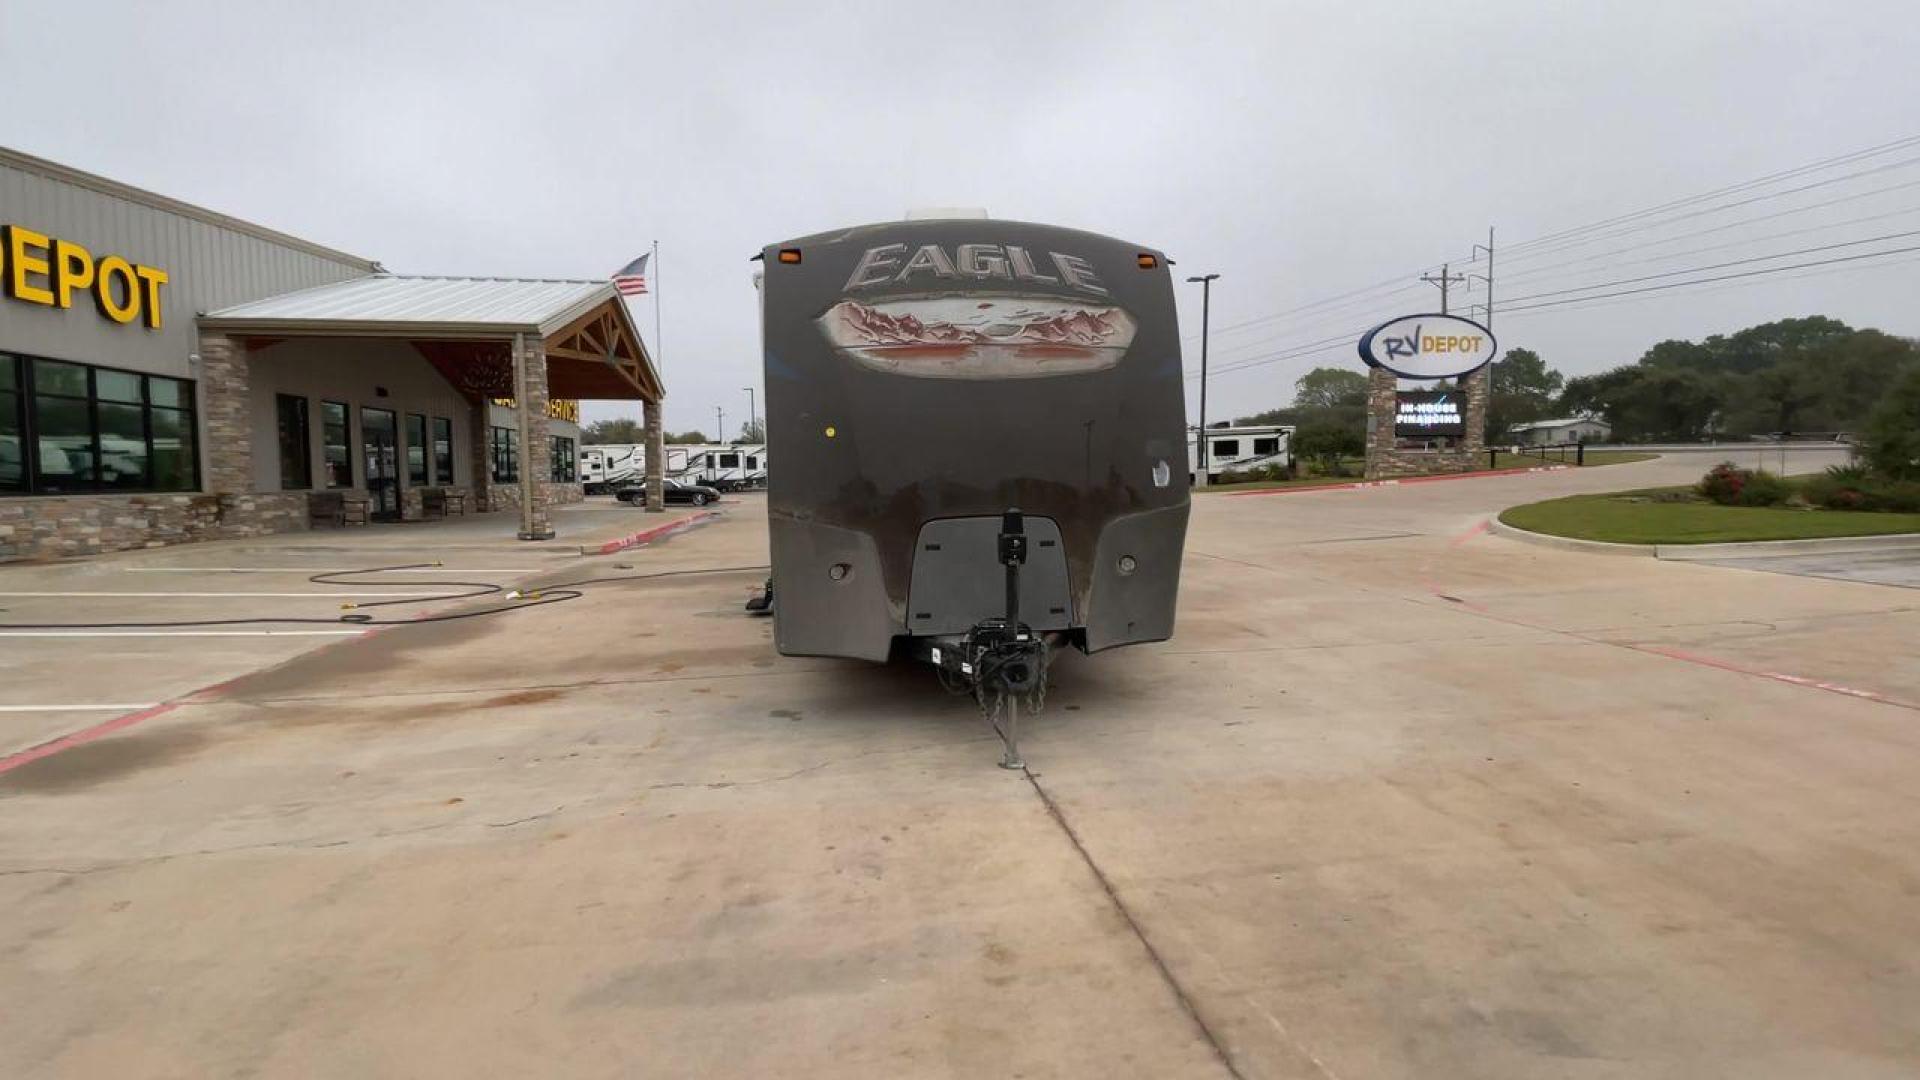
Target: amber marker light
789 255
1147 262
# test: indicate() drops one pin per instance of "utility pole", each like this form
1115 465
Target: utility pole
1488 277
752 413
720 421
1206 314
1447 277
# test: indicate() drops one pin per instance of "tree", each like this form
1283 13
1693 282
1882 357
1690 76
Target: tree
1521 389
1326 387
685 438
1644 403
1890 442
753 431
1326 444
622 430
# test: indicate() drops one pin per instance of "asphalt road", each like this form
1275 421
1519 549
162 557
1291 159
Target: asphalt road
1400 799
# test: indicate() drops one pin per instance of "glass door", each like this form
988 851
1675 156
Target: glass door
379 434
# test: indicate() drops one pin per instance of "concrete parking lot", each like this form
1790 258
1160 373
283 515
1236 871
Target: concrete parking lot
1400 799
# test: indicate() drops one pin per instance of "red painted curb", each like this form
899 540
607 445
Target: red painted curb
1358 484
647 536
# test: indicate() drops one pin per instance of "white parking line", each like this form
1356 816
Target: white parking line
311 570
179 633
342 595
77 708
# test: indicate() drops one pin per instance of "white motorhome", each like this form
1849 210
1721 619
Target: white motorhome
1233 450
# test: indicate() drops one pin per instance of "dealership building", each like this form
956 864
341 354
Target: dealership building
170 374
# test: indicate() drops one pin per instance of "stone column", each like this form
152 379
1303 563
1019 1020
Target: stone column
536 466
1381 387
1476 412
480 453
226 437
656 458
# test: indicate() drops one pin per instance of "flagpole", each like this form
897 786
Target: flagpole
659 344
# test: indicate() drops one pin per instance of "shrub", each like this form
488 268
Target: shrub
1848 487
1730 485
1262 472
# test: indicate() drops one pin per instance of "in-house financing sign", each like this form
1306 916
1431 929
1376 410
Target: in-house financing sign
1428 346
1428 414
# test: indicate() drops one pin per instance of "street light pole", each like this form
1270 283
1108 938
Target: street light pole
1206 314
720 422
752 414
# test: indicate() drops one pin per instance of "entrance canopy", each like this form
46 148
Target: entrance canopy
465 327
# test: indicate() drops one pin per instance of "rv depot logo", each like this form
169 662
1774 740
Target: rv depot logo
889 264
1428 346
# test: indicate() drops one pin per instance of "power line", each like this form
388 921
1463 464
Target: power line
1904 163
1761 181
1580 304
1723 277
1343 342
1538 272
1563 240
1721 266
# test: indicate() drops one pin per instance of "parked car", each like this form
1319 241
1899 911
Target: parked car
674 491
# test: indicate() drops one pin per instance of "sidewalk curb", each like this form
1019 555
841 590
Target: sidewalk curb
1760 549
1568 543
1359 484
648 536
1750 549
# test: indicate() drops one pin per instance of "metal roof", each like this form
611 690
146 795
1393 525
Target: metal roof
463 306
1564 422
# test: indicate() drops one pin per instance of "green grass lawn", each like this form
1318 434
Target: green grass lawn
1630 517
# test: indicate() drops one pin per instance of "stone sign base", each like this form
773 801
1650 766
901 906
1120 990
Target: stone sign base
1387 464
1386 460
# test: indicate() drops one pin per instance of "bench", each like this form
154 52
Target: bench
438 502
326 508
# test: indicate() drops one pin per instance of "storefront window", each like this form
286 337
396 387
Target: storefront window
443 449
67 428
13 457
566 468
175 461
336 454
417 450
506 455
296 443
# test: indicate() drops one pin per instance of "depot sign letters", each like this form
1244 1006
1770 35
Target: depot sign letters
38 269
1428 346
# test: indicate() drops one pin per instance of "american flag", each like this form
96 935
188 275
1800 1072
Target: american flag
631 279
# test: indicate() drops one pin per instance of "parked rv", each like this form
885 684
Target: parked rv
607 466
978 422
1234 450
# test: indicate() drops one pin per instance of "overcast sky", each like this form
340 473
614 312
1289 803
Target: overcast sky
1299 150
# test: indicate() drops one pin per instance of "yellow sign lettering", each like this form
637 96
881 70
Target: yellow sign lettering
151 278
72 269
126 307
37 269
26 254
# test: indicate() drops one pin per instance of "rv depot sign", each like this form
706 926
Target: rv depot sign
1438 429
1428 346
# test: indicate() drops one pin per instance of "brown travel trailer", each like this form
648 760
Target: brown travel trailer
936 387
